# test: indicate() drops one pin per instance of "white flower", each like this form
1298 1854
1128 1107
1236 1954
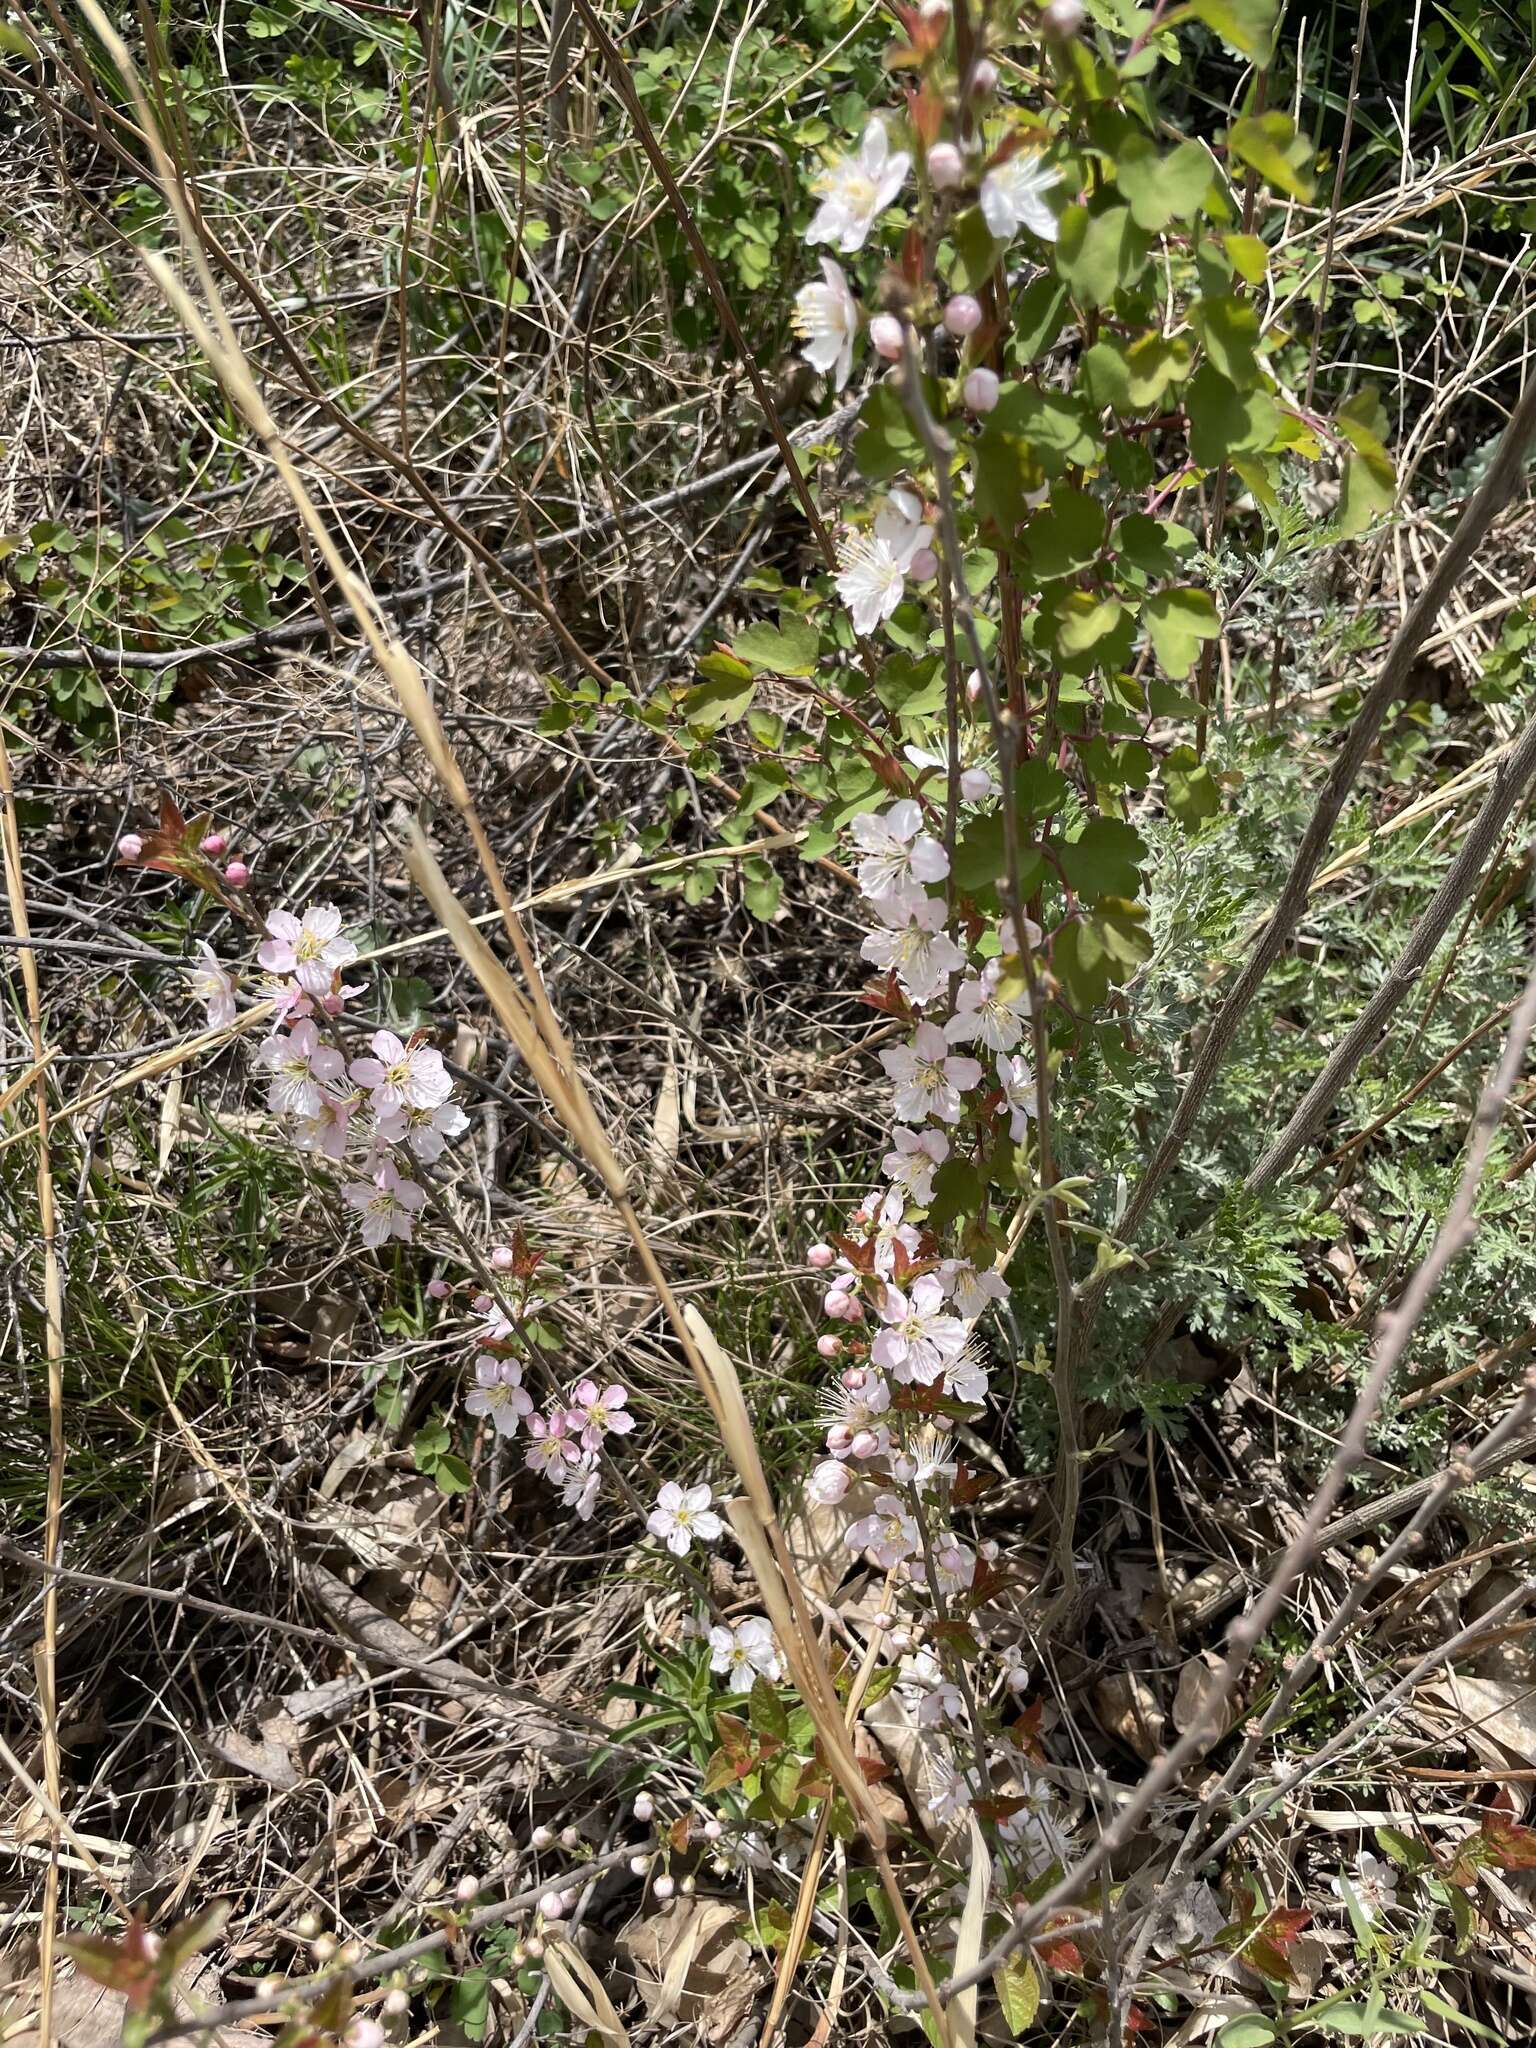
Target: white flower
403 1076
914 946
965 1377
746 1652
1016 1079
855 189
387 1205
891 1229
1035 1827
214 986
1013 196
300 1066
875 565
310 950
426 1131
828 1483
579 1486
897 851
920 1336
916 1158
929 1078
983 1011
499 1393
827 319
889 1534
969 1289
943 1703
1374 1884
953 1789
682 1516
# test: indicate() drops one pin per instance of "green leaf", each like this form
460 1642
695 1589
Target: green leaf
1038 318
767 1711
976 253
887 442
1101 949
1248 2030
1158 188
1132 376
1153 545
451 1475
1250 258
1228 328
760 888
1068 535
1099 254
1246 26
1370 482
1053 430
1017 1985
1268 143
1190 787
789 650
1104 859
1178 620
1224 421
1088 631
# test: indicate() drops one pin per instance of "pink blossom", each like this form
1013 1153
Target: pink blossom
130 846
829 1482
920 1336
913 945
873 567
889 1534
300 1067
969 1288
1016 1079
326 1131
387 1204
403 1076
595 1415
311 949
898 854
912 1163
214 986
579 1486
983 1011
820 1256
214 844
929 1078
499 1393
237 874
425 1131
551 1449
851 1412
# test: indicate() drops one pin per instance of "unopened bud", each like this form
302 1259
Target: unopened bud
946 167
1062 19
664 1886
980 390
983 77
503 1259
924 565
397 2002
865 1444
712 1830
644 1806
963 315
885 336
130 846
975 784
552 1906
829 1346
237 874
214 844
820 1256
438 1290
570 1838
542 1837
466 1889
365 2034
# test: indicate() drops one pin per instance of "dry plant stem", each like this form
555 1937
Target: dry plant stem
1461 879
1393 1331
45 1655
1068 1491
623 85
1321 307
1498 486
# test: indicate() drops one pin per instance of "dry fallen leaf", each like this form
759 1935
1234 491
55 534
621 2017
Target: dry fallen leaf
691 1964
1130 1710
1198 1691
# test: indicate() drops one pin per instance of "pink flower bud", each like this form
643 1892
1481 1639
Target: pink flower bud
333 1004
466 1889
924 565
829 1482
712 1829
884 1618
397 2001
980 390
963 315
639 1865
552 1906
973 686
1016 1678
503 1259
365 2034
975 784
865 1445
570 1839
438 1290
903 1468
946 167
664 1886
820 1256
542 1837
151 1943
836 1303
983 77
1062 19
237 874
854 1378
885 336
214 844
828 1346
901 1641
839 1437
130 846
644 1806
854 1313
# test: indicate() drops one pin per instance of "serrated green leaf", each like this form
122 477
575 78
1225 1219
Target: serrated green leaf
1104 859
1268 143
1228 328
1224 421
1132 376
1099 253
1190 788
1153 545
1178 620
1017 1985
1160 189
790 649
1066 535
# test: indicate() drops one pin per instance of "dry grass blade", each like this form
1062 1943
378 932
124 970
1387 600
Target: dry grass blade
581 1992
